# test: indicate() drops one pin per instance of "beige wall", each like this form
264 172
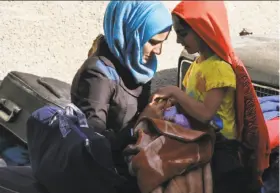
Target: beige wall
52 38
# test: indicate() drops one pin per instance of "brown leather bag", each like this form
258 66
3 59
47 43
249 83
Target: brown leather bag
198 180
165 150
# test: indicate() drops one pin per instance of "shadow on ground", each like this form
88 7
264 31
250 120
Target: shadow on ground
164 78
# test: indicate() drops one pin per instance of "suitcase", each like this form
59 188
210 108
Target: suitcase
19 179
22 93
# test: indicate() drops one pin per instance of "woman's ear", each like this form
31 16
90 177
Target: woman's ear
203 45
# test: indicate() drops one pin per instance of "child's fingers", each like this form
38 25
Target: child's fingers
157 97
160 105
172 101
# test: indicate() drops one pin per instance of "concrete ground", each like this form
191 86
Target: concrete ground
52 38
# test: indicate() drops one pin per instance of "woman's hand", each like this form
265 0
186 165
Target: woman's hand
165 93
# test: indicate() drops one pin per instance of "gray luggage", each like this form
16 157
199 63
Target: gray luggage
22 93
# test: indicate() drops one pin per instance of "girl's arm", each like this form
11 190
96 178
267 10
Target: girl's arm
202 111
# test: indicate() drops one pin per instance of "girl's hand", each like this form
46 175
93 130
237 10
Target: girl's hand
154 110
164 93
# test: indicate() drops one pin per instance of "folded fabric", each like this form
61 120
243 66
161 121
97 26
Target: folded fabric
270 115
274 98
270 106
11 154
171 114
16 156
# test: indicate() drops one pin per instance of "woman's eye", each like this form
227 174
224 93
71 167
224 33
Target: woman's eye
182 33
152 42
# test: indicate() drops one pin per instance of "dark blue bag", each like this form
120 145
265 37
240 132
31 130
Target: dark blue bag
271 174
68 157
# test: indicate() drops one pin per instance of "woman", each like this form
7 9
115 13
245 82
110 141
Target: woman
113 85
219 93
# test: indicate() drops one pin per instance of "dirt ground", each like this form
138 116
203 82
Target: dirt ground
52 38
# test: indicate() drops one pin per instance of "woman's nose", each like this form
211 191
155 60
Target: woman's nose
178 40
157 49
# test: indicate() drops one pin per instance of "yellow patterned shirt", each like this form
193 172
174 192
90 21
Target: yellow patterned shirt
214 73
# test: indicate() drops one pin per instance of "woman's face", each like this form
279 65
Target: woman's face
154 46
186 37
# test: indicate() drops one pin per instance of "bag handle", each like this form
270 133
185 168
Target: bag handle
49 87
8 110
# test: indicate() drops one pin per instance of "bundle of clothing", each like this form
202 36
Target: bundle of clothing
270 106
270 109
12 153
169 156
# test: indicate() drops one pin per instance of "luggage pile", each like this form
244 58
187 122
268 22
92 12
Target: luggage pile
27 98
20 95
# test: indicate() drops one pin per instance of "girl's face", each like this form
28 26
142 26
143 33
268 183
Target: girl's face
186 36
154 46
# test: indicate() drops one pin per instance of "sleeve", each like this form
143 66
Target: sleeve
94 91
221 75
185 80
92 96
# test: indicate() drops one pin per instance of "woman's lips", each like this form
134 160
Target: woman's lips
147 58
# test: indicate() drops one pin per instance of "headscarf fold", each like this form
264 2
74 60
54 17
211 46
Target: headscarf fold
209 20
128 25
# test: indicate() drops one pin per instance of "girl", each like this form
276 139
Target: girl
219 93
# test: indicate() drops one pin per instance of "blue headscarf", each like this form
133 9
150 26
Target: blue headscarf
128 25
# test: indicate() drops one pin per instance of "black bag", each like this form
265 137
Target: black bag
22 93
228 171
67 157
271 174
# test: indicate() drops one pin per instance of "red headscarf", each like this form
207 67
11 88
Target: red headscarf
209 20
